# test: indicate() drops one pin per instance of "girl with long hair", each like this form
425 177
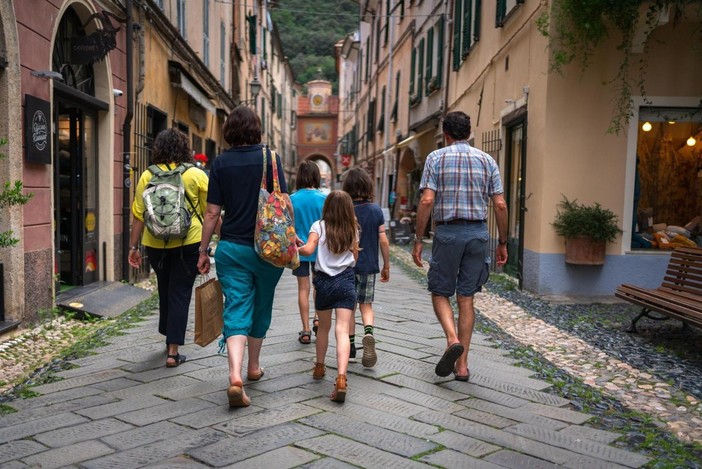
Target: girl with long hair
335 237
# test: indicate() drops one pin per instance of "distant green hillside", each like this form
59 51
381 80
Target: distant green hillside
309 31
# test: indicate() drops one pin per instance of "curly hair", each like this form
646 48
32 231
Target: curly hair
340 222
457 125
358 184
242 127
171 146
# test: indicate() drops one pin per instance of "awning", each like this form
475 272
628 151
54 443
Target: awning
407 141
181 80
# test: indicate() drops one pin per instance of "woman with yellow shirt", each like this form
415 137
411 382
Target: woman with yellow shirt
174 261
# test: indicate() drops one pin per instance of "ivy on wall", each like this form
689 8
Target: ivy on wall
576 28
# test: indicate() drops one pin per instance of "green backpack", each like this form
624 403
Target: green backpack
166 215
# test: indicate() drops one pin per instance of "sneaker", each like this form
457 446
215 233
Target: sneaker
370 358
352 355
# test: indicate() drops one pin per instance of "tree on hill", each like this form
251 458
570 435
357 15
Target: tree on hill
309 30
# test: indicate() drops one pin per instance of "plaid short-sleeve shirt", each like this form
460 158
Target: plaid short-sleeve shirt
464 178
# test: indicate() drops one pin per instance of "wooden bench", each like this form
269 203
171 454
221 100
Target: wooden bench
680 293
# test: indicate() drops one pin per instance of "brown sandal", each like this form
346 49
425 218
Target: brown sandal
236 396
339 393
319 371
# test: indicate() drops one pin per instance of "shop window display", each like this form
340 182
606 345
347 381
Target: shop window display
668 186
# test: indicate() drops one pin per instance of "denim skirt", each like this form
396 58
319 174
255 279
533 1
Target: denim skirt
338 291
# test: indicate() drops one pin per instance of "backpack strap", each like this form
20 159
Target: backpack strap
182 169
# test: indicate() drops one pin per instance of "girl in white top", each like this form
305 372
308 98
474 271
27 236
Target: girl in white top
336 237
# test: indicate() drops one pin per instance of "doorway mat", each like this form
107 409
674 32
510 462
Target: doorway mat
104 299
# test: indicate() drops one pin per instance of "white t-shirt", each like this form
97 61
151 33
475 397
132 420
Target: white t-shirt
328 262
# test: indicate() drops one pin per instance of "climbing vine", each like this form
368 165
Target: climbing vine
576 28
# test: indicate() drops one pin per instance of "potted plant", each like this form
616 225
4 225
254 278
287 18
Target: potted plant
587 229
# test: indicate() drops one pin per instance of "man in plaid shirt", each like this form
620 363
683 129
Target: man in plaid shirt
457 184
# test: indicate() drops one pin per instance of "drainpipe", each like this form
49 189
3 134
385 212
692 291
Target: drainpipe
126 145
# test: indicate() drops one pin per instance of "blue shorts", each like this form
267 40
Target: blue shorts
304 269
248 284
459 260
338 291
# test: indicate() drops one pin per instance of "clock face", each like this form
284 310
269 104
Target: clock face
317 100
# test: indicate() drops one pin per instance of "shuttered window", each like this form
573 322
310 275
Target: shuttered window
420 68
504 8
440 50
457 23
413 64
430 59
393 115
467 15
381 117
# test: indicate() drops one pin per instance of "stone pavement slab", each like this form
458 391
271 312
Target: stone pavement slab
122 408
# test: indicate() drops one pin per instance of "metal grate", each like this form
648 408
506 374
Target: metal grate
143 142
492 144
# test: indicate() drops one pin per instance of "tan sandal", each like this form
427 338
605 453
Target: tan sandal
320 369
339 393
236 396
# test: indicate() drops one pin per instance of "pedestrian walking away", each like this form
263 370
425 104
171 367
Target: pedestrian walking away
248 282
336 237
307 202
173 257
457 185
358 184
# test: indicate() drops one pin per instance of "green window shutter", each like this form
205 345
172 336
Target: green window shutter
500 13
476 20
420 69
440 51
381 117
430 58
393 115
467 23
263 115
457 15
368 60
252 34
265 54
387 20
377 39
402 9
413 63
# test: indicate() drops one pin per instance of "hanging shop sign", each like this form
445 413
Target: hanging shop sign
95 46
36 129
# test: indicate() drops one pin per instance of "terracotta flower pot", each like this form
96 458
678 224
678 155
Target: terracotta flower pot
582 250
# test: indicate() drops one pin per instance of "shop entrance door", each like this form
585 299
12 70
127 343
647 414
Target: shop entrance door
516 200
75 198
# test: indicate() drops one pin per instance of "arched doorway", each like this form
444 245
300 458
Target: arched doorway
408 178
78 174
326 172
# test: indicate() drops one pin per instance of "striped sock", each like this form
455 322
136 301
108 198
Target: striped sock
352 339
368 330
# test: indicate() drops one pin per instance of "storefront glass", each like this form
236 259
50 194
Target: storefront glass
668 181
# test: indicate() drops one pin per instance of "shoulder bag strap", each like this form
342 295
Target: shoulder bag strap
274 163
265 165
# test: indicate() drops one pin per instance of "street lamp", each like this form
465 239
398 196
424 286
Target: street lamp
255 88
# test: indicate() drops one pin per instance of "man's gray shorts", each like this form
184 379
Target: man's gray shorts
365 288
459 259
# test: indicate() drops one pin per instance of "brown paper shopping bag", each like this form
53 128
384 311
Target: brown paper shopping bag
208 312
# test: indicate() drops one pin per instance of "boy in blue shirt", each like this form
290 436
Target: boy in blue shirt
307 202
373 238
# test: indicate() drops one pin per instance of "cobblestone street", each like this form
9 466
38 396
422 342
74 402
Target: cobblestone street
122 408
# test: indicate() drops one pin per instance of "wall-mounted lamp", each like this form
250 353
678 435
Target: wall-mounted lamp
646 127
691 141
255 88
48 74
117 93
